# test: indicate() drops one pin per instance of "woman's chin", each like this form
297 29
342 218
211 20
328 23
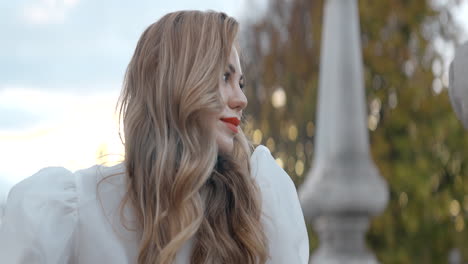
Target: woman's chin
225 146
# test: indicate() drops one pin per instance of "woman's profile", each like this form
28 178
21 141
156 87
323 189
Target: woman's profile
190 189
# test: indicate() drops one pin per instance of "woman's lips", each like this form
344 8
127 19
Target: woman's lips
233 120
232 123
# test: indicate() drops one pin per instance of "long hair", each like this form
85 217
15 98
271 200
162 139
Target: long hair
178 183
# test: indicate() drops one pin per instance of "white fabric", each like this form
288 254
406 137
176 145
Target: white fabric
56 217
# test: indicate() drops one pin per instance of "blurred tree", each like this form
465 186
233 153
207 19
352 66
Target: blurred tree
416 141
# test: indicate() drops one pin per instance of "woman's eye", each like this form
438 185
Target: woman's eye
226 76
241 85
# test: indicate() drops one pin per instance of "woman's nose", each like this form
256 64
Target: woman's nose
238 100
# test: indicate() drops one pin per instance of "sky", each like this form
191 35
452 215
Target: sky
61 67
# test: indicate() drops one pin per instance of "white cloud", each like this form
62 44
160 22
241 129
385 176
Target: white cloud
55 43
47 11
70 3
87 125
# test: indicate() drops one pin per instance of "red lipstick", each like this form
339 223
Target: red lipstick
232 123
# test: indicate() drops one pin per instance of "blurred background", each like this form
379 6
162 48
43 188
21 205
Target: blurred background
62 64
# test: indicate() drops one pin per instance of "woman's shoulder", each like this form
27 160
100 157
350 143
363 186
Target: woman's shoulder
261 158
34 192
55 182
281 211
46 177
274 183
40 218
266 170
49 189
42 212
99 178
57 192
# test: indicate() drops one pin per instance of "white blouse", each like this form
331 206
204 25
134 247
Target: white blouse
56 217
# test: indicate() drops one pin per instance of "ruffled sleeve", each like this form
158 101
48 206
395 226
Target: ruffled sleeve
282 214
40 219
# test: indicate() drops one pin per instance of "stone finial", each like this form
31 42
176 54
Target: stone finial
458 88
344 188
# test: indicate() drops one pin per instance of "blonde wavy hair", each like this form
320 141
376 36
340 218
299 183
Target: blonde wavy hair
178 183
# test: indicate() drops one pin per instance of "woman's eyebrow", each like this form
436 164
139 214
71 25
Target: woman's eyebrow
231 68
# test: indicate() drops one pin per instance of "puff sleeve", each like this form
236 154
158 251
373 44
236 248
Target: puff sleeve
40 219
282 218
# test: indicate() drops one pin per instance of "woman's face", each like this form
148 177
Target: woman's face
231 84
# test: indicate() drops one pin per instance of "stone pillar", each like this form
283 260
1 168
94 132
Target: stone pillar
343 190
458 88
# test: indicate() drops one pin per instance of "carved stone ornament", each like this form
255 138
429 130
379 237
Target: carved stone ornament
458 88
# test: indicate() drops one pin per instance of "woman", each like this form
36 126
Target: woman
189 191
